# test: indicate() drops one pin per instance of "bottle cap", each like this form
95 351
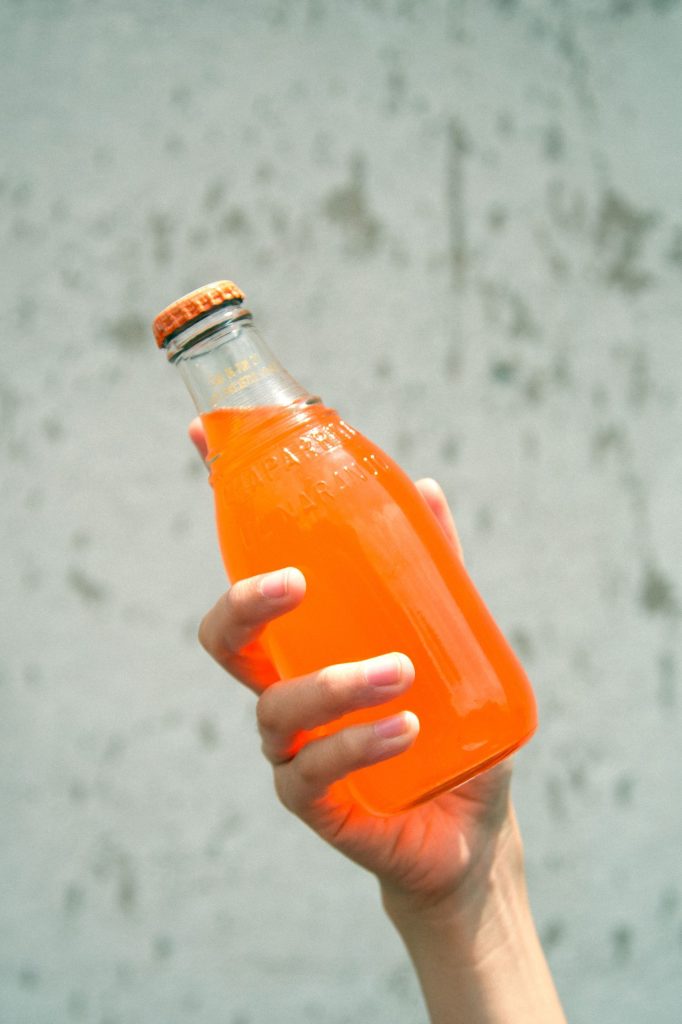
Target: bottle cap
194 305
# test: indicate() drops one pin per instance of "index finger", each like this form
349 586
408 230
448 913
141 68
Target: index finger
231 629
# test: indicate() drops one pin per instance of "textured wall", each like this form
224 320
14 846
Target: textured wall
462 224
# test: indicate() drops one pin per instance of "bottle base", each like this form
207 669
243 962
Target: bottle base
450 784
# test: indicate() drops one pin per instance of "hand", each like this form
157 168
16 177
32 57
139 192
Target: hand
450 870
435 855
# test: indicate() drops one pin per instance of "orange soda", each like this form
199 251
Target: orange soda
296 485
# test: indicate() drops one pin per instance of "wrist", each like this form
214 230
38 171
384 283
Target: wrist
476 949
479 902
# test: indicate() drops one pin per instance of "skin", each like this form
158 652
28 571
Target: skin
451 870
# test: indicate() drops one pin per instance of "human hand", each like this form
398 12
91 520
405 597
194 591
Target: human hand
436 855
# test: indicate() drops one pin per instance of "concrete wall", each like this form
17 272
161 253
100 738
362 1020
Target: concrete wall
461 223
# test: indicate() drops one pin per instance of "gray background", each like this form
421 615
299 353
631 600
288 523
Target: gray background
461 224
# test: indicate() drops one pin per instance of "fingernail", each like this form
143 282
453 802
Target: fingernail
275 584
396 725
384 670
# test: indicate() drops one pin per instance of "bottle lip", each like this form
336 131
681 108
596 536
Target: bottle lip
217 320
194 306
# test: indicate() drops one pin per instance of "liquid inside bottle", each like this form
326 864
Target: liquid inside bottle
296 485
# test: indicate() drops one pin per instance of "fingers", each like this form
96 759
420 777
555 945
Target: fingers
288 708
432 493
198 437
230 631
302 782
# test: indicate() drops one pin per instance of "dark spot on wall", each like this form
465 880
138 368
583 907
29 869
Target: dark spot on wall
383 369
73 899
498 216
554 794
87 588
457 149
78 791
21 193
194 467
198 237
279 221
28 977
623 8
59 211
553 141
34 498
80 539
577 778
485 520
534 387
668 903
264 173
181 95
52 428
623 790
347 207
189 632
606 439
179 525
674 253
657 594
505 6
399 981
667 685
113 865
504 371
449 449
521 642
33 675
404 443
234 222
639 387
567 207
161 227
505 123
130 331
553 934
114 748
622 939
174 144
452 362
77 1004
209 734
620 236
396 87
228 827
214 194
163 947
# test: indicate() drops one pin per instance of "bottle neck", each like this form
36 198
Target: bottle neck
226 364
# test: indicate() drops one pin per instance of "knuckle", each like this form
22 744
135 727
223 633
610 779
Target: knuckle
266 712
339 685
236 598
328 686
203 634
307 769
348 748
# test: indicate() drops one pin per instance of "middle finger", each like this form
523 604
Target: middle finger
288 708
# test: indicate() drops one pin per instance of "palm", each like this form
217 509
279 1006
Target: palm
427 850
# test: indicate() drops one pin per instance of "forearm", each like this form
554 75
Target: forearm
482 962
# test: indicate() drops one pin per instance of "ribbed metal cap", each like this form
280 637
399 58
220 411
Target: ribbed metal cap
193 305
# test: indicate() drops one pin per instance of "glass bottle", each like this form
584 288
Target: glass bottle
296 485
